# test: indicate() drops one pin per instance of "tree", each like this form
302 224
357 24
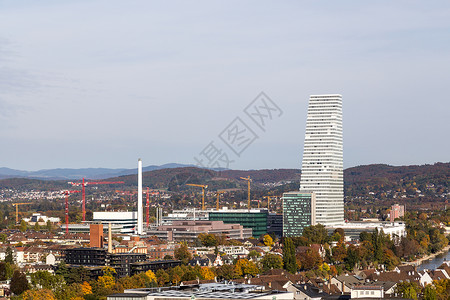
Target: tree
352 258
206 273
316 234
245 267
3 271
289 260
429 293
271 261
38 295
310 259
225 272
86 288
162 277
182 253
268 241
208 239
23 226
36 226
253 255
19 283
9 256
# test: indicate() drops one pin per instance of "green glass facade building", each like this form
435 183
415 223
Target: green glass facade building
298 212
256 220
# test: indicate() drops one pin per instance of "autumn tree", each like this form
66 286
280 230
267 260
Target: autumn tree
208 239
38 295
268 241
225 272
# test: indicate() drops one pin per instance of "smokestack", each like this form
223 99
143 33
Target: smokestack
140 219
109 238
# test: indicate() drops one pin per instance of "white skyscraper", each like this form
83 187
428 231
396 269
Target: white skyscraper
322 166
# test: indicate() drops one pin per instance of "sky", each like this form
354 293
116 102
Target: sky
103 83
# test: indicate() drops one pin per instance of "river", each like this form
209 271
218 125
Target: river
435 262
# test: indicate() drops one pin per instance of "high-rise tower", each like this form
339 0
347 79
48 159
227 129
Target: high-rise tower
322 166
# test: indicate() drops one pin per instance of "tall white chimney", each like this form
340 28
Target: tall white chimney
140 220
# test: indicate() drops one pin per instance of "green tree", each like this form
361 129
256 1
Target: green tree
19 283
429 293
162 277
9 256
316 234
225 272
23 226
289 260
271 261
182 253
253 254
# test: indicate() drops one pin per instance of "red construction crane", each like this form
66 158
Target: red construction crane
83 190
67 208
147 206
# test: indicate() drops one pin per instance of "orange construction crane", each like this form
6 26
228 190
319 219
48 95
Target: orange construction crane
67 208
203 192
218 195
83 190
17 210
249 180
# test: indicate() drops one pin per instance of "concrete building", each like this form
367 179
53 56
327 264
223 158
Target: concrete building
298 212
322 165
397 211
189 230
126 219
40 219
352 230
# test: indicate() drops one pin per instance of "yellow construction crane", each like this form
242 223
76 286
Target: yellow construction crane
203 192
268 200
248 182
17 210
218 195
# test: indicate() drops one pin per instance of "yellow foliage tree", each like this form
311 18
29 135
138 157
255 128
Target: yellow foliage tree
207 273
86 288
268 241
151 275
38 295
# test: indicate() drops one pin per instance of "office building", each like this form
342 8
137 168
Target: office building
322 166
256 219
189 230
298 212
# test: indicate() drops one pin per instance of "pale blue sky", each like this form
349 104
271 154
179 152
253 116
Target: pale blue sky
101 83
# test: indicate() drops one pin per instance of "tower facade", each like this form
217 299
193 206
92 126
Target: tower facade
323 166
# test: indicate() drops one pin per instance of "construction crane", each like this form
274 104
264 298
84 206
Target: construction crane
83 190
218 195
67 193
147 206
203 192
17 210
249 180
268 200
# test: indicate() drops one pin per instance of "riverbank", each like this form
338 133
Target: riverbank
419 261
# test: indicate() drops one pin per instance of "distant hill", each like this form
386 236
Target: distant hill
75 174
362 181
